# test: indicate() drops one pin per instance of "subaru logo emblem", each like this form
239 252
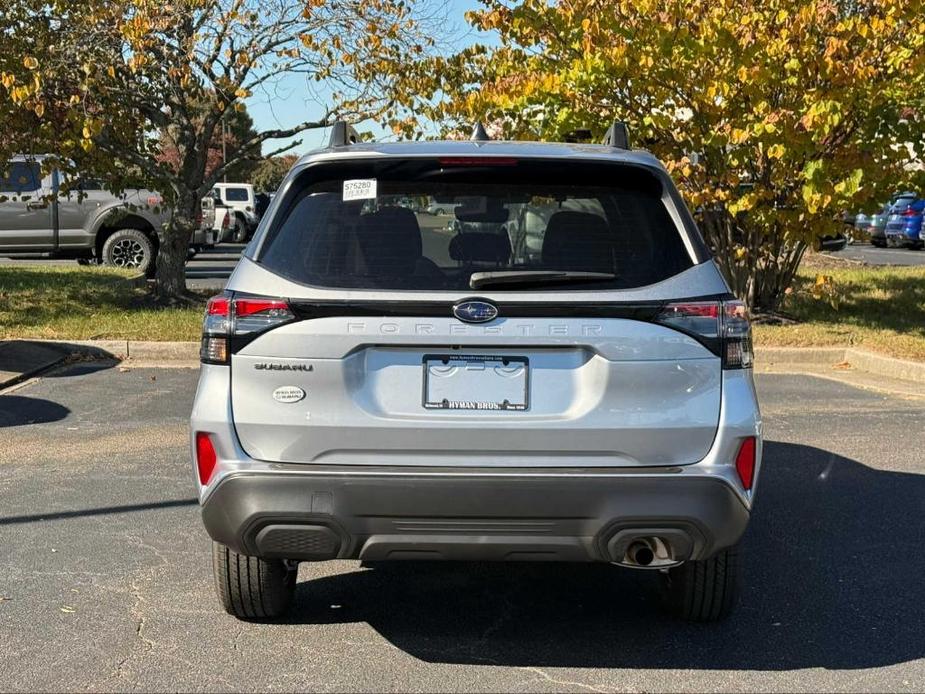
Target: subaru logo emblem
475 311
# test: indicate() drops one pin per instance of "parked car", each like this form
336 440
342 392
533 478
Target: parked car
241 200
261 203
877 227
832 243
861 222
439 209
905 222
47 214
374 388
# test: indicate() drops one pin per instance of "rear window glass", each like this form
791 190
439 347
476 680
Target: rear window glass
235 194
901 203
430 225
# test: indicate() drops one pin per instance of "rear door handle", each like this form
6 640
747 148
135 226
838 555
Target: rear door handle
36 205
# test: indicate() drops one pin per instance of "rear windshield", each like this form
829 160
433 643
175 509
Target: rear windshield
430 225
902 203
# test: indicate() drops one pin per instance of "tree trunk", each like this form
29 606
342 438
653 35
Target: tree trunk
758 263
173 249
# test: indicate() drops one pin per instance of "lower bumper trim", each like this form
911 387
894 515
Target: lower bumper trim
314 517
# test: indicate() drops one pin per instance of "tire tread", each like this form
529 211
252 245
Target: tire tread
250 587
706 590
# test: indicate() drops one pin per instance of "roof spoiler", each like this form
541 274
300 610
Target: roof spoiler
343 134
618 136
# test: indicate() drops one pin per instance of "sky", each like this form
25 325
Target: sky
294 100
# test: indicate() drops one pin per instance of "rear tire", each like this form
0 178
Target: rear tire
707 590
252 588
238 231
129 248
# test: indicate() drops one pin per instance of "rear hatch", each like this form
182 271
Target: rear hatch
546 320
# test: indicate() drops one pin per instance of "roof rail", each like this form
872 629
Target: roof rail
479 134
617 135
343 134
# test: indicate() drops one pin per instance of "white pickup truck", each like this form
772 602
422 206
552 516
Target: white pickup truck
241 211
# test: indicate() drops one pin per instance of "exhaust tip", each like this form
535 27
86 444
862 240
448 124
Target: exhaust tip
640 553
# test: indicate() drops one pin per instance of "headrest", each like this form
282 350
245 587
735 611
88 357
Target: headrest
390 241
480 246
578 241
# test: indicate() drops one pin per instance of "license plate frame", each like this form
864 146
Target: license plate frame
434 398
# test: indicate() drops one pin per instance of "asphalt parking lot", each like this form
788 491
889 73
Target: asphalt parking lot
105 582
881 256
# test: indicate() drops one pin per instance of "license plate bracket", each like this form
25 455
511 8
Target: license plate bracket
476 382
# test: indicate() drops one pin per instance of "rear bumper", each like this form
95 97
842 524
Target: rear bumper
472 515
203 237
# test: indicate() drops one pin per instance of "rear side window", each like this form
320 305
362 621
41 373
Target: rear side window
236 194
429 225
20 177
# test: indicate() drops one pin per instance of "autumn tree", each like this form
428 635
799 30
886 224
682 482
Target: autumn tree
237 128
45 65
134 70
773 116
270 172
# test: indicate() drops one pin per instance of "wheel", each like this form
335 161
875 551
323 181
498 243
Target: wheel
704 591
238 231
251 587
129 248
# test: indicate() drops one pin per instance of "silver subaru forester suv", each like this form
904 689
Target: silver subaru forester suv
555 370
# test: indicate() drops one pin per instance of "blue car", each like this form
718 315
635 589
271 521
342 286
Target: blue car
904 225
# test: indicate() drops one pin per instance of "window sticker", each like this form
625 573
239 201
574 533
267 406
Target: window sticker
360 189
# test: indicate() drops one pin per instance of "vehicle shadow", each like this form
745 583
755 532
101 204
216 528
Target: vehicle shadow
18 411
833 563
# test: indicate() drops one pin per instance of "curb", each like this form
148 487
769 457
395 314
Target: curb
132 349
845 358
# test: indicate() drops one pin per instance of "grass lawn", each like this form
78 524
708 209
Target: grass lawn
881 309
86 303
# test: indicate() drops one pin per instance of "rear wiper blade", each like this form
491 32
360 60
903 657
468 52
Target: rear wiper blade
500 277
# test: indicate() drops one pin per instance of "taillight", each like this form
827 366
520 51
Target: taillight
257 315
231 322
226 222
723 326
698 317
745 462
205 457
737 336
909 212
